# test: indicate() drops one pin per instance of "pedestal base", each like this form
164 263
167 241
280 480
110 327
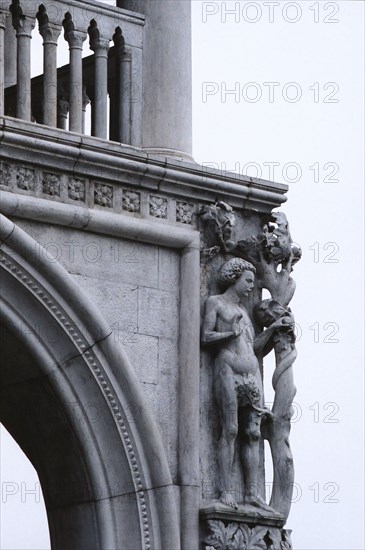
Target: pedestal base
247 528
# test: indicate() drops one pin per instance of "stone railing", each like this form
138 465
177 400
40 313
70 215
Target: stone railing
110 79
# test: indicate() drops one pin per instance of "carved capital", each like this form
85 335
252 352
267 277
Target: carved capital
2 19
63 107
75 39
23 26
85 99
50 33
100 45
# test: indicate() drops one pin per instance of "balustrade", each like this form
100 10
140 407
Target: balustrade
59 97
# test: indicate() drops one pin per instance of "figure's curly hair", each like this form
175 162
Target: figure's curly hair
232 270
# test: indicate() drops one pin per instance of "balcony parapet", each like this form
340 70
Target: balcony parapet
113 75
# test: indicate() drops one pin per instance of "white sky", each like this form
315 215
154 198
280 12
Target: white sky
323 63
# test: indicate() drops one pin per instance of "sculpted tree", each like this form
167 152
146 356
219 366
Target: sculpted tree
274 255
271 314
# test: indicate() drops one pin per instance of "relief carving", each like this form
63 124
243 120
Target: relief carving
5 173
237 380
239 536
103 195
25 178
51 184
184 212
131 201
240 331
158 207
76 189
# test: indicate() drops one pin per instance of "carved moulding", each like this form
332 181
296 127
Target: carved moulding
48 294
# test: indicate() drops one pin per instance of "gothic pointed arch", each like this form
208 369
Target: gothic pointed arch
67 393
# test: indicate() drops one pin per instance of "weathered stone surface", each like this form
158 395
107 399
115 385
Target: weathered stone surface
158 312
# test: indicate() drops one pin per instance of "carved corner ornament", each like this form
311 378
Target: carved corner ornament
240 536
264 260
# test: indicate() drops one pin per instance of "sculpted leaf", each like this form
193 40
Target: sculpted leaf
218 529
230 530
240 541
286 543
214 543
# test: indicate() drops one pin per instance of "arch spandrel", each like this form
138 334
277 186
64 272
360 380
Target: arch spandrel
83 440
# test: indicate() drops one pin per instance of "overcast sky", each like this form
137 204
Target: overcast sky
296 116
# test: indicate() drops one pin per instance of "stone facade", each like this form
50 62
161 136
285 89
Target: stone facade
110 252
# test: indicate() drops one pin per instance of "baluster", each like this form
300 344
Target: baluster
100 47
62 113
85 103
124 86
10 46
75 40
2 59
23 26
50 34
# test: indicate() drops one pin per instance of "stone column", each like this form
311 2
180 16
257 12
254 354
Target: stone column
123 70
50 34
10 45
2 61
167 126
75 40
23 26
85 103
100 47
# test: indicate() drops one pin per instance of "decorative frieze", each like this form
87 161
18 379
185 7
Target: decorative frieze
184 212
76 189
103 195
25 178
241 536
51 184
158 206
68 187
5 173
131 201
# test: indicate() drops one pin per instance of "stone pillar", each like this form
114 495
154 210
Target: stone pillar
2 61
50 34
10 53
85 103
123 70
167 126
100 47
75 40
23 26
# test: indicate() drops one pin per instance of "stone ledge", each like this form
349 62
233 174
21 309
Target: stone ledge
244 514
108 170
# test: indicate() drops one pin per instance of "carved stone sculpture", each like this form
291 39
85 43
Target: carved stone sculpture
271 314
259 259
237 380
274 255
236 536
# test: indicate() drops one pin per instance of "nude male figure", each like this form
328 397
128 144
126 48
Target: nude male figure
237 379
